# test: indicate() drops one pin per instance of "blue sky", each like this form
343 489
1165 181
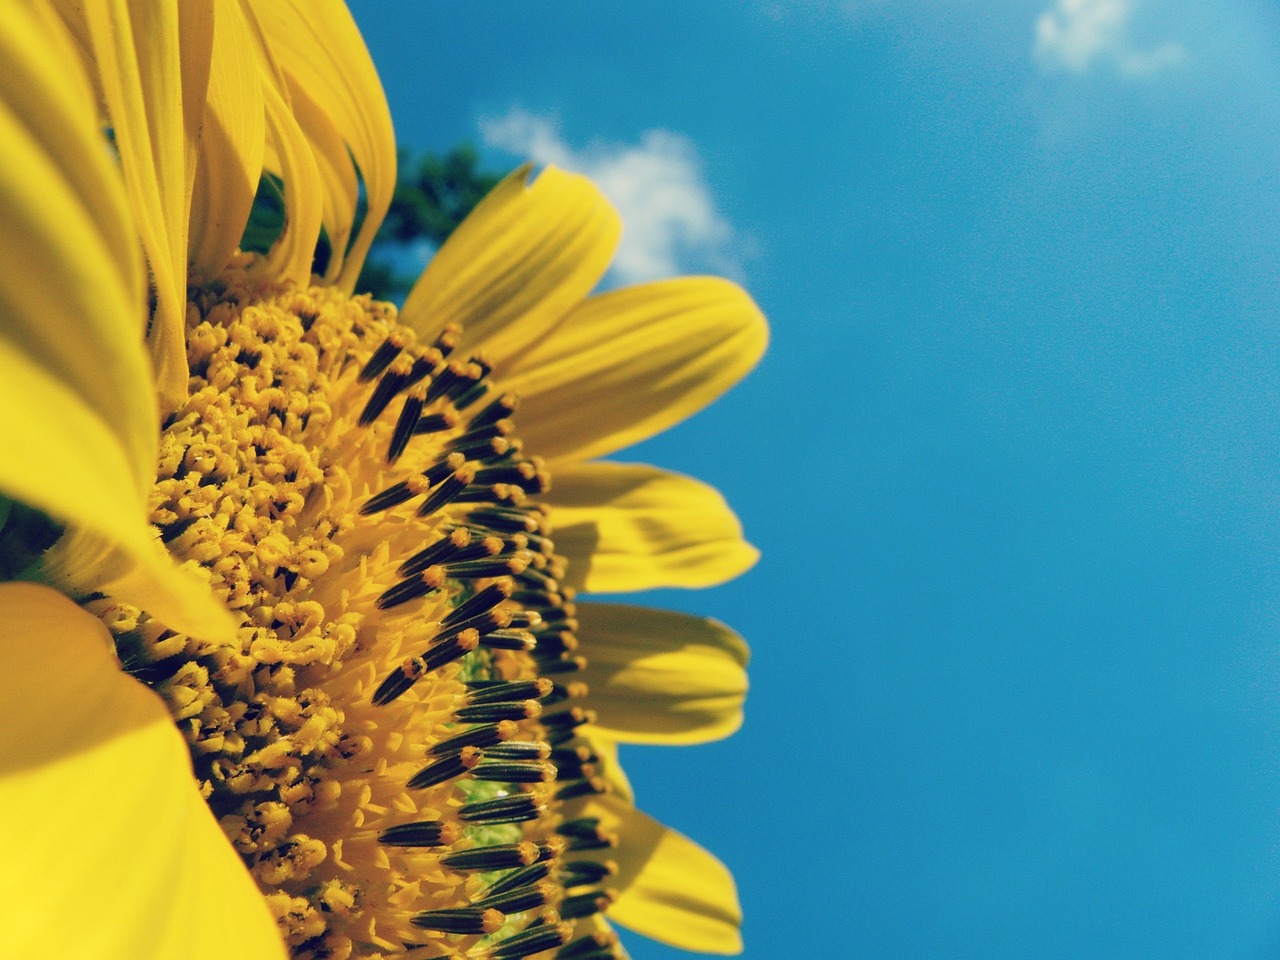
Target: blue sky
1013 457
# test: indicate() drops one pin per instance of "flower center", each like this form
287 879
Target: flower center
391 743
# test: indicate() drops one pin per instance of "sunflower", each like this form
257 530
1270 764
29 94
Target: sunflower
292 657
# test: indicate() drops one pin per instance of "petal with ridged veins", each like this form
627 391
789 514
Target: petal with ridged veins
669 888
656 676
629 364
630 527
152 58
320 51
231 148
80 425
525 257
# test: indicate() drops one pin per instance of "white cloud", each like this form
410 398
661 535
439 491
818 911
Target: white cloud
1080 33
670 221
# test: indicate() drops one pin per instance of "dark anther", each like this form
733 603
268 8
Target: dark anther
553 643
582 827
487 567
484 450
406 590
512 809
597 946
531 941
448 339
560 612
520 899
568 719
446 768
424 833
490 691
470 396
592 786
499 409
442 381
585 904
386 499
382 395
443 467
485 736
446 546
421 367
469 920
518 750
529 874
409 672
436 422
505 521
509 640
486 622
515 771
399 680
449 488
502 856
485 600
565 665
561 692
581 872
499 428
387 351
493 712
405 425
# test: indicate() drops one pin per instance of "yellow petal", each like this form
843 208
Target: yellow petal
628 364
670 888
291 255
526 256
341 107
109 850
140 572
633 527
143 70
341 187
231 146
73 282
656 676
80 427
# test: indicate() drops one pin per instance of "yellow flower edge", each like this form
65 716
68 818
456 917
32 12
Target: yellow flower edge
110 850
516 278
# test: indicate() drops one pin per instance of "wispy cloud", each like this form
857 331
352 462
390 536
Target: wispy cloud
1079 34
670 221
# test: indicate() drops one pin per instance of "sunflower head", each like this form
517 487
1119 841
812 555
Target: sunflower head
343 544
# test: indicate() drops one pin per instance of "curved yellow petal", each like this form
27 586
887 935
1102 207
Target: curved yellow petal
109 850
152 58
291 255
73 286
80 429
341 185
669 888
634 527
525 257
656 676
628 364
231 146
341 107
